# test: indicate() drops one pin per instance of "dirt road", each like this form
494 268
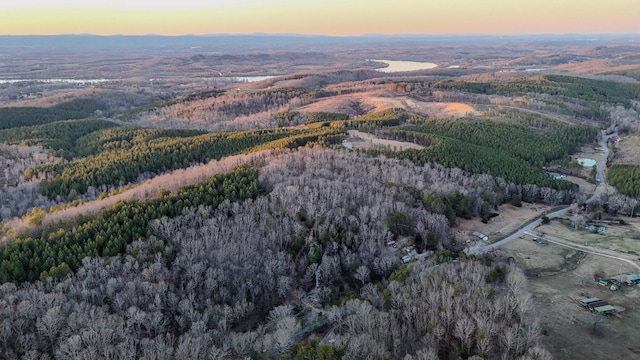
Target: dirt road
627 258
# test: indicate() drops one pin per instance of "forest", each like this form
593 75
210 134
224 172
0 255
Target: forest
122 155
191 286
510 151
303 245
59 136
625 178
595 91
11 117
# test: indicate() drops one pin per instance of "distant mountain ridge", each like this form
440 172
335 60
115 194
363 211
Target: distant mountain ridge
262 41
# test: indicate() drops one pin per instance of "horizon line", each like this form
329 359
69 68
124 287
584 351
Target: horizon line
339 36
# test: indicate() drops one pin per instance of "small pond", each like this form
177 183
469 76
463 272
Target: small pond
586 162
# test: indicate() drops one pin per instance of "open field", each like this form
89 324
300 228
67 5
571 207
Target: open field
628 150
567 327
557 276
362 140
351 104
377 100
511 218
621 238
432 109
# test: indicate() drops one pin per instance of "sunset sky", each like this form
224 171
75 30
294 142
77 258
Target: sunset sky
327 17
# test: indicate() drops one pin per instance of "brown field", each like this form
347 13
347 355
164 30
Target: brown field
628 150
620 238
377 100
510 219
351 104
432 109
585 186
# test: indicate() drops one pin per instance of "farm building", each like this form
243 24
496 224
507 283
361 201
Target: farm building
597 304
604 309
587 301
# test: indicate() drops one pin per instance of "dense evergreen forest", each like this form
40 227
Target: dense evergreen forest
55 254
60 136
11 117
625 178
589 90
513 152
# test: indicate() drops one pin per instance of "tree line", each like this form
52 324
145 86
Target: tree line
119 162
28 259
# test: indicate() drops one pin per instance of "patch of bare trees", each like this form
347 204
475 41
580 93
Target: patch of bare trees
261 275
606 197
18 195
627 120
449 312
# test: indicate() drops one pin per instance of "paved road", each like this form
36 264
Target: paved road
532 225
605 155
527 228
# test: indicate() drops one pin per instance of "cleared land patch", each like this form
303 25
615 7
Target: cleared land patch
628 150
511 218
621 238
353 104
361 140
432 109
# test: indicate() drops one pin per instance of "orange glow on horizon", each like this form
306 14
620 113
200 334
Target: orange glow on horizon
329 17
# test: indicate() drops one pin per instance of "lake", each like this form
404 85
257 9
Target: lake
399 66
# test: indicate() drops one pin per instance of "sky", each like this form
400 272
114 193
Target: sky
321 17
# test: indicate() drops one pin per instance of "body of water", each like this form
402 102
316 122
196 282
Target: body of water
586 162
252 78
398 66
240 78
52 81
